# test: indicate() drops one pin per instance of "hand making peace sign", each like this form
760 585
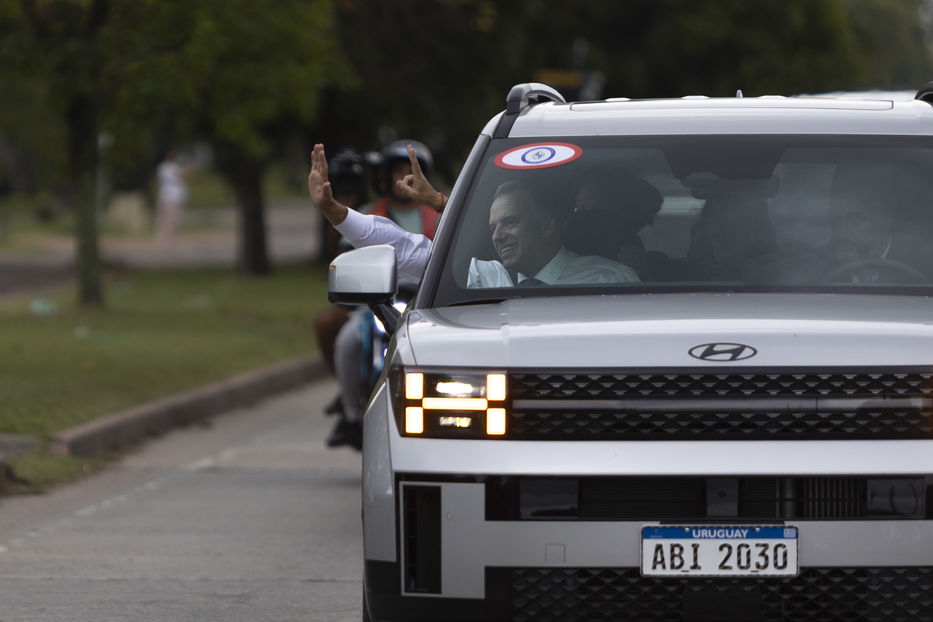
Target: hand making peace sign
417 188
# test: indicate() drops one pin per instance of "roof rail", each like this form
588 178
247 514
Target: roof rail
523 96
925 93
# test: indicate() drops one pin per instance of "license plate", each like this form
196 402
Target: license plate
719 551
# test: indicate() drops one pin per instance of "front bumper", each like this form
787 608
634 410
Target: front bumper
473 568
469 543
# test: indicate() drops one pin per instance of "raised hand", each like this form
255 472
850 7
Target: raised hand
417 188
320 190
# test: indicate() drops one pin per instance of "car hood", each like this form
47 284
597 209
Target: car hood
661 330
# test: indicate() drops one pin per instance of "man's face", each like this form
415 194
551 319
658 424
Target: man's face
518 234
861 225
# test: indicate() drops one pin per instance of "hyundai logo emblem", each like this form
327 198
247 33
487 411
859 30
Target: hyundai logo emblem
723 352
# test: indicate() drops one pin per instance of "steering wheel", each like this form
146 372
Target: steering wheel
908 274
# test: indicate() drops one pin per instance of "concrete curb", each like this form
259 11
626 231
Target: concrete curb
12 445
135 424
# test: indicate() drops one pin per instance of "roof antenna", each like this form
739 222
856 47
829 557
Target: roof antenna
739 93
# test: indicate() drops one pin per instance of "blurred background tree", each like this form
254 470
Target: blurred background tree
250 75
235 73
254 79
55 45
893 40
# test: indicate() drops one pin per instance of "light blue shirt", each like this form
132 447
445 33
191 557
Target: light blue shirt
565 268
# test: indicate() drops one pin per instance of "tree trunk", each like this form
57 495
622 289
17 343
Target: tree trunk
81 121
245 176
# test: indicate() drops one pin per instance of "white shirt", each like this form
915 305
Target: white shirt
411 249
172 187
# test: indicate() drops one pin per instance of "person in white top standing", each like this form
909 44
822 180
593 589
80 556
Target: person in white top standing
173 192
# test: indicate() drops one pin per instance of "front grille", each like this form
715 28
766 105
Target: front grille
728 405
696 383
815 595
758 498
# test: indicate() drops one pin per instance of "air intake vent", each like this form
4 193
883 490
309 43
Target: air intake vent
421 538
683 499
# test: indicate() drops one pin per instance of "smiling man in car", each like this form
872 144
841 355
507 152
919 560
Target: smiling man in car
527 240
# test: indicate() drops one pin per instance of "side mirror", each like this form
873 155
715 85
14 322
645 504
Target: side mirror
363 276
367 276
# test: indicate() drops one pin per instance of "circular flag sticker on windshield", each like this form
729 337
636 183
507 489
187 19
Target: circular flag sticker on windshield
539 155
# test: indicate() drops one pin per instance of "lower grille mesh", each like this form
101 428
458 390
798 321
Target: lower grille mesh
816 595
604 425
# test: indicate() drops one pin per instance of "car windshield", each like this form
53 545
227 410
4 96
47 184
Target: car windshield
615 215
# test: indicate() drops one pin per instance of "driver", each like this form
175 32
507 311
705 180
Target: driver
861 216
863 247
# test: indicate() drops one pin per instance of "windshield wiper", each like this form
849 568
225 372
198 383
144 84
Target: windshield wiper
478 301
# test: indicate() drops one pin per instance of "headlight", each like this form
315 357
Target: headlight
450 403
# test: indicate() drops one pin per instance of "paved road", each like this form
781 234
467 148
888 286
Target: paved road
209 239
247 519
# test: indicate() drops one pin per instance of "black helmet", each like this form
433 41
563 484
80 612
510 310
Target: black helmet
398 150
346 172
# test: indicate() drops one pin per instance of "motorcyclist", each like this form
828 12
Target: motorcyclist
398 206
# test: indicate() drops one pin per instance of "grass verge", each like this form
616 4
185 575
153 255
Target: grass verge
38 471
159 333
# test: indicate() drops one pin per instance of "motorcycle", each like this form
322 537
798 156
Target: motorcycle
374 340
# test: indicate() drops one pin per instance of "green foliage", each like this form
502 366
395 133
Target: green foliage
223 71
246 67
677 47
892 42
28 122
434 71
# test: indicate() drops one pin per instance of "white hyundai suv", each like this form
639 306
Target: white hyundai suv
669 360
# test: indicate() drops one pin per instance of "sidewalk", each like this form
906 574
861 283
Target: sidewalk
206 238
